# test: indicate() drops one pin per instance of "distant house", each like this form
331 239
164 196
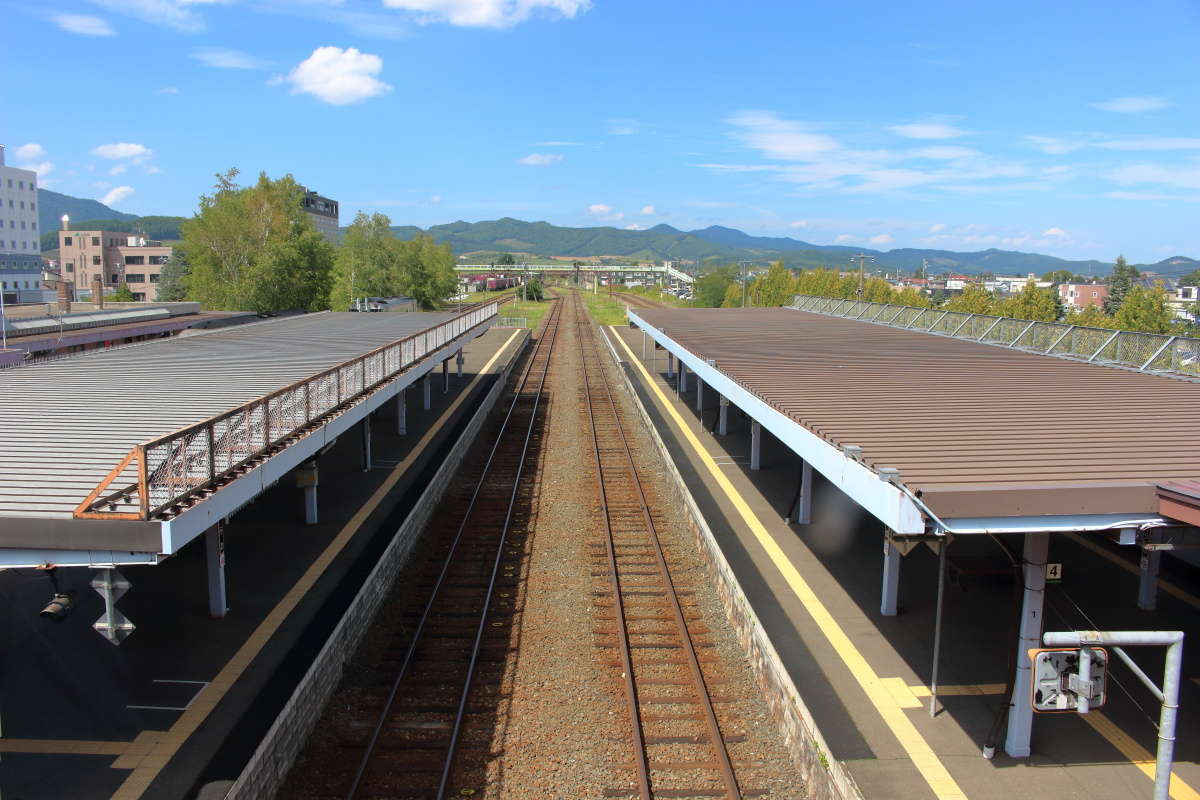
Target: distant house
1082 295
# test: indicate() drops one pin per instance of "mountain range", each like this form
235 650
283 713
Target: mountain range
486 240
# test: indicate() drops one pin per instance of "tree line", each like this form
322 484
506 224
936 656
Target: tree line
1129 305
254 248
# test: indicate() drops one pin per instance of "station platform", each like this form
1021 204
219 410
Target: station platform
185 699
865 677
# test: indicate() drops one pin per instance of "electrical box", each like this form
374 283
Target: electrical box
1058 685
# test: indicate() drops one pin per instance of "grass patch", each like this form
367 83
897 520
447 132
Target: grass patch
605 310
532 312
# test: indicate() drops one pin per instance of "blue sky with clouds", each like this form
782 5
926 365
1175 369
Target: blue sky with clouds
1070 128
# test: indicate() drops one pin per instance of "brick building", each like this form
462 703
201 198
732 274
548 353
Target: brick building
1082 295
116 258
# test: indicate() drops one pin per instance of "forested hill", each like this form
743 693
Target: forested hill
52 206
723 245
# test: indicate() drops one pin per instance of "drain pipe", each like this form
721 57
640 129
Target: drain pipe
1168 695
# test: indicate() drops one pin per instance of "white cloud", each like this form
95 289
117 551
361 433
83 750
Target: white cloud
648 210
1133 105
633 226
843 238
883 238
1054 145
435 199
927 130
1054 233
42 168
29 152
122 150
339 77
1152 143
118 169
1179 176
779 138
556 144
169 90
599 209
798 224
116 195
622 127
540 159
222 58
83 24
937 227
946 153
487 13
174 14
152 170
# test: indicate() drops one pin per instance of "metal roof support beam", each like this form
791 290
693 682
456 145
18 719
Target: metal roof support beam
402 412
1020 714
1100 349
723 416
890 590
214 549
445 376
683 373
962 324
364 428
670 364
755 444
1158 353
458 363
700 398
1021 335
801 510
427 390
306 479
28 558
879 497
1148 578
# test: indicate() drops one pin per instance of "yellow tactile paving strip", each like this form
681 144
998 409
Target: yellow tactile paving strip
147 765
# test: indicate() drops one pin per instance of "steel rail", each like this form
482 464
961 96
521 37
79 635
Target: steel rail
733 792
545 340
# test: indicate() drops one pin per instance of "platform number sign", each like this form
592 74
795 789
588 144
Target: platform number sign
1054 573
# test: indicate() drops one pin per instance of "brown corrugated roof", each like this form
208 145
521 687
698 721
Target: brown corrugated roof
977 430
1180 500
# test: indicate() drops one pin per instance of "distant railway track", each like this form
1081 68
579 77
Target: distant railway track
676 753
417 740
637 301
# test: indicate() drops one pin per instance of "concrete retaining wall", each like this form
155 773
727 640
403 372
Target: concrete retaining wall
825 778
267 769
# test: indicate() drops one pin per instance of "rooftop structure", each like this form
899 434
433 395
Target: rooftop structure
324 214
18 210
112 257
138 450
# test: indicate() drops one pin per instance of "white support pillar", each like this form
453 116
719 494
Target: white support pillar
683 373
1020 715
891 578
723 419
458 363
365 428
427 388
402 412
644 339
214 547
804 501
755 444
445 375
700 395
1148 580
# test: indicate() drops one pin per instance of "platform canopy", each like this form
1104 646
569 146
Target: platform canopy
105 449
979 436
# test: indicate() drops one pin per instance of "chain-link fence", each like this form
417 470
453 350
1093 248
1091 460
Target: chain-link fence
186 462
1144 352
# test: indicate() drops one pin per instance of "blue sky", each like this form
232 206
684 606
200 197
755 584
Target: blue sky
1069 128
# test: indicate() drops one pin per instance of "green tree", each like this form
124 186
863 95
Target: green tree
1058 276
172 280
506 260
365 265
1191 279
733 296
123 294
877 290
1146 310
1119 283
534 290
709 289
775 288
912 297
1091 317
1032 303
425 270
254 249
974 300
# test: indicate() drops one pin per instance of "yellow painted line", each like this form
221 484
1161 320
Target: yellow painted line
1163 585
1139 756
152 763
918 750
901 692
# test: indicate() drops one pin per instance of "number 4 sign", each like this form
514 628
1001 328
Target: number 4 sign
1053 573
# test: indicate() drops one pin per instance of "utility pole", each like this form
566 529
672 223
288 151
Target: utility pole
745 276
862 264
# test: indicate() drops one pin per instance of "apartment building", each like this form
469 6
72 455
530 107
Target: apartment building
324 214
18 210
1082 295
116 258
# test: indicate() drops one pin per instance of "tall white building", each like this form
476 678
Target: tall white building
18 210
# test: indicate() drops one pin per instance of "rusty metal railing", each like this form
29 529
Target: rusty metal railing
1177 356
161 473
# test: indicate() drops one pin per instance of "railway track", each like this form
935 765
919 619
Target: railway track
420 744
678 748
637 301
